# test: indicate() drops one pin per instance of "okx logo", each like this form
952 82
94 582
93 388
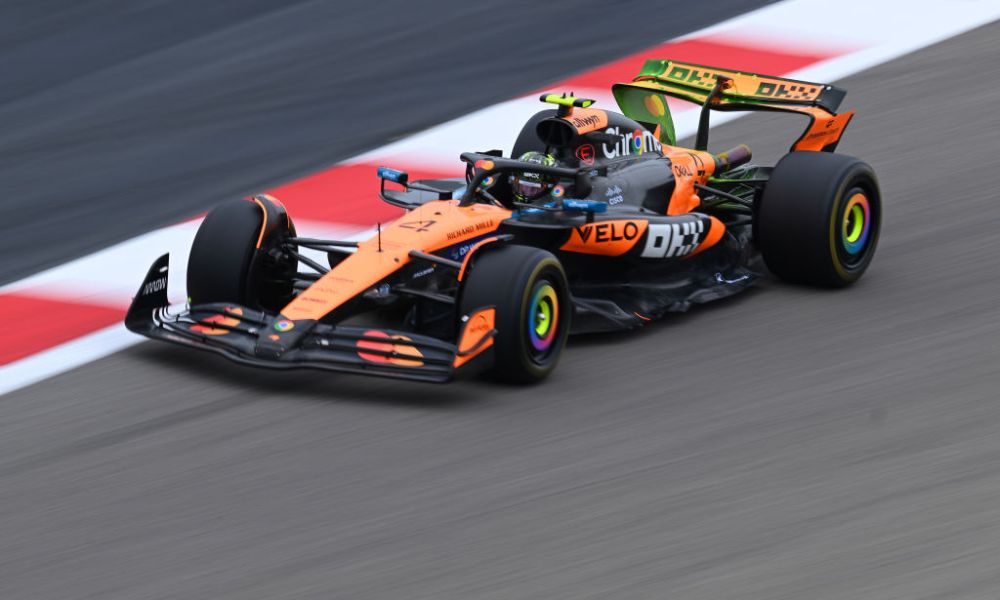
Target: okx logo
673 240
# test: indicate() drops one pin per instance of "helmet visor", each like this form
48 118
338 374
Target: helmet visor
529 190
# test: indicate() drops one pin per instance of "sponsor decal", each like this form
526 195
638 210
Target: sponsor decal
476 335
484 164
655 105
586 154
687 164
283 325
614 195
470 229
698 163
587 120
418 225
631 143
558 191
478 324
221 320
403 354
693 75
682 170
788 91
458 251
673 240
157 285
768 88
608 232
608 238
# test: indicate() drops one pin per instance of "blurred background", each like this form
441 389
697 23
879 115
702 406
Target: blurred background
787 443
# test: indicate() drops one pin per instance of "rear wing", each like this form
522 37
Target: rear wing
644 99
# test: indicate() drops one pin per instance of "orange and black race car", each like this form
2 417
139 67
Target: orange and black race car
597 222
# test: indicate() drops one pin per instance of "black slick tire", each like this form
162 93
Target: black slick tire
818 219
226 265
528 288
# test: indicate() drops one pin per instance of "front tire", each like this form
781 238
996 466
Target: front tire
528 288
235 256
819 218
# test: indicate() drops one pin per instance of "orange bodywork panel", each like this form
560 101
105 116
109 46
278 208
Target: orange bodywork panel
477 335
824 128
586 120
429 227
690 167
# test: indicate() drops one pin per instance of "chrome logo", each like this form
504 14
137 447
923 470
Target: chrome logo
283 325
637 141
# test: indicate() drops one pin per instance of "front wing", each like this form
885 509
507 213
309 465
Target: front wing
235 332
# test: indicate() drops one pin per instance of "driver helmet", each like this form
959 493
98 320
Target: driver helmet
528 186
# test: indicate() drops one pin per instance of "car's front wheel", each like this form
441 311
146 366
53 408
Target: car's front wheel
528 288
236 256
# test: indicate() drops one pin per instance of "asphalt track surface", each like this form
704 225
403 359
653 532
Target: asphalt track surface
121 116
790 443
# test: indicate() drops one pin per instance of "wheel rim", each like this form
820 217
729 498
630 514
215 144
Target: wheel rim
855 229
543 321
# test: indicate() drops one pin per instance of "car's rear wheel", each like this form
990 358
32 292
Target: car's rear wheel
818 219
236 256
528 288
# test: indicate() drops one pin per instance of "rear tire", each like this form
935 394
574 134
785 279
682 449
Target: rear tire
528 288
226 265
818 219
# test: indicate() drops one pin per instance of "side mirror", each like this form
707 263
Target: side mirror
393 175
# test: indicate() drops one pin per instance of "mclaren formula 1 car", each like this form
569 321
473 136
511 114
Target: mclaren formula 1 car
597 221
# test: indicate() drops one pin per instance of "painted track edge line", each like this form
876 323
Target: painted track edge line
66 357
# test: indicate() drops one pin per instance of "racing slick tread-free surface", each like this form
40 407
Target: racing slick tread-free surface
806 190
222 253
504 277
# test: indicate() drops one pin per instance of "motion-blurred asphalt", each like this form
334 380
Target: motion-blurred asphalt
788 444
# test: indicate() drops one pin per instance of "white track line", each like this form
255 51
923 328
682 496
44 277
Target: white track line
64 357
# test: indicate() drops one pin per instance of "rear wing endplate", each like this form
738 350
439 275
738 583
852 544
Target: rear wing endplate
644 98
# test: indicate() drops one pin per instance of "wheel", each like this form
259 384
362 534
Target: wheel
234 258
528 288
818 219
